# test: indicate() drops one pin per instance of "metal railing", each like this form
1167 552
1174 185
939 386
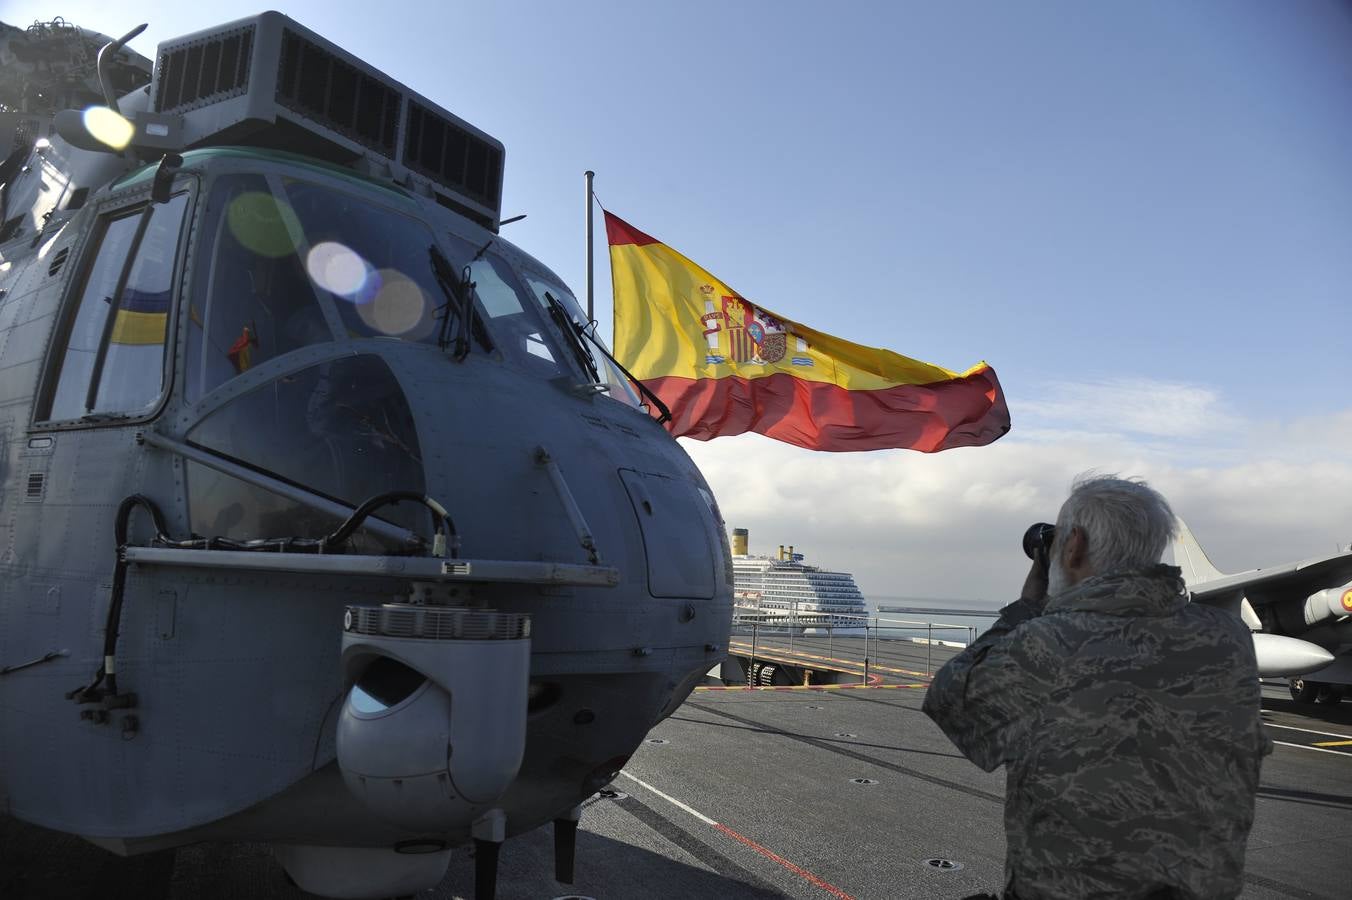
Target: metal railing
846 643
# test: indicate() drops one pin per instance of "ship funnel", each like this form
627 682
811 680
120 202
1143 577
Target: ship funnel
781 553
790 552
739 541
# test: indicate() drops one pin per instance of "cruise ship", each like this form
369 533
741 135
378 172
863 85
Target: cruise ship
783 590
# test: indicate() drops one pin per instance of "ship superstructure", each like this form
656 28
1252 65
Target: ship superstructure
784 590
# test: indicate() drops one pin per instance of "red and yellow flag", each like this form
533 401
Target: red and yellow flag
726 366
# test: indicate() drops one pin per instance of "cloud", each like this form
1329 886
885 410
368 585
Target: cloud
1134 405
948 525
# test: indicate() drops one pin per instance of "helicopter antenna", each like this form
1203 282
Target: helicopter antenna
591 312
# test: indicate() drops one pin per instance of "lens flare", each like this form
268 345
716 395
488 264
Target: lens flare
108 127
399 308
263 224
342 271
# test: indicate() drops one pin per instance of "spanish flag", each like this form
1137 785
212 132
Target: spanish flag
725 366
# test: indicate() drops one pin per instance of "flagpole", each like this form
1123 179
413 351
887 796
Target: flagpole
591 313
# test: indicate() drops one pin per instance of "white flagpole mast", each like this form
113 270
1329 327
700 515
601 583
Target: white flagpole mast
591 312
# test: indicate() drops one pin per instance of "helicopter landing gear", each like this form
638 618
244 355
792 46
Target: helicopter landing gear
565 844
486 869
489 833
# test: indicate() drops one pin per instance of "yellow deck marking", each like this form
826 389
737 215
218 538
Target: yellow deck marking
1333 743
1343 753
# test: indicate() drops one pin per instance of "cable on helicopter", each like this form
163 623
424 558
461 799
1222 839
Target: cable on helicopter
446 540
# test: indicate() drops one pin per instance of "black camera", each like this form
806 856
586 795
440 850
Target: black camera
1039 537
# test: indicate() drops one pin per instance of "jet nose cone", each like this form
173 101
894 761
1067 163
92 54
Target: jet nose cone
1279 655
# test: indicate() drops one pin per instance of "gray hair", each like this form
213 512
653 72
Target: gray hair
1126 521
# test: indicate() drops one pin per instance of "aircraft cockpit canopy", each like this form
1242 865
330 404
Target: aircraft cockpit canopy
285 262
289 283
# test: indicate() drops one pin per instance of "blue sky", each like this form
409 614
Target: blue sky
1139 213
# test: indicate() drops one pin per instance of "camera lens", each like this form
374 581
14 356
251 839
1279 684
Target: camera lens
1038 535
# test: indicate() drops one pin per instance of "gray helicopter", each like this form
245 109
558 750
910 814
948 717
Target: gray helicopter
326 520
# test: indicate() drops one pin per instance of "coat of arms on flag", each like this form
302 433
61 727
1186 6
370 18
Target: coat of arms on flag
726 366
744 333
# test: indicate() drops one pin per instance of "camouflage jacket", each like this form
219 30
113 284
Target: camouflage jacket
1128 719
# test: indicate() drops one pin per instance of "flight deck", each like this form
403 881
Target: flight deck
805 792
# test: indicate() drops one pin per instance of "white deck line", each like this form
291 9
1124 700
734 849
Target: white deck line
1346 737
670 799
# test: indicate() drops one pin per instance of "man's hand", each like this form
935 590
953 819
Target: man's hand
1035 585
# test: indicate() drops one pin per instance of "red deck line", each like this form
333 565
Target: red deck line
768 854
775 857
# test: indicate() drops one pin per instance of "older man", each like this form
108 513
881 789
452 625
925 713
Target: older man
1127 717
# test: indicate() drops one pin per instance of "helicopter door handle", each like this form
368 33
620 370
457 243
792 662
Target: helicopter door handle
584 534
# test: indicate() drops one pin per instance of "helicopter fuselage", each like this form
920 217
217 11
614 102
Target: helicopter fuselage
256 343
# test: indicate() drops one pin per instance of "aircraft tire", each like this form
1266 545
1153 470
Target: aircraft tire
1303 691
1329 694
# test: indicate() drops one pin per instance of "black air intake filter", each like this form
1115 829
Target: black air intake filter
324 88
203 71
438 148
267 81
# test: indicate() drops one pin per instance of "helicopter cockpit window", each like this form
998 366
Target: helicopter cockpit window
251 298
342 429
607 372
516 325
112 362
373 261
293 263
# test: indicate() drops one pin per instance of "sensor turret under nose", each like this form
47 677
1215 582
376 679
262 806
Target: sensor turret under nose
434 727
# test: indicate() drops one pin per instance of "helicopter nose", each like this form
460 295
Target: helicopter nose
665 507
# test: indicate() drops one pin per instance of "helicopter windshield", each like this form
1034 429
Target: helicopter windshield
607 373
293 263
